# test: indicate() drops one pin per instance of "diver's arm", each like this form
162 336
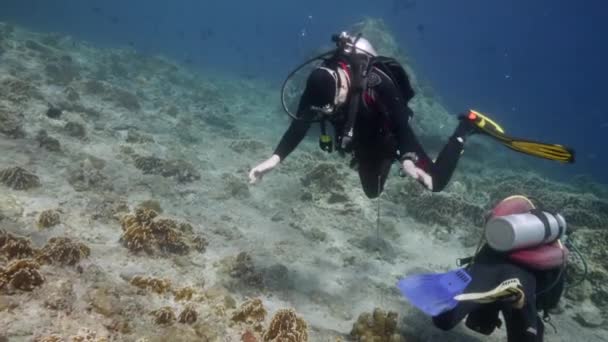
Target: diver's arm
296 131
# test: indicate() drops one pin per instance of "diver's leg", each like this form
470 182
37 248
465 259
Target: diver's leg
373 173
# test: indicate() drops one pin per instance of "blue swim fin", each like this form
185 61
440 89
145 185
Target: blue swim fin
433 293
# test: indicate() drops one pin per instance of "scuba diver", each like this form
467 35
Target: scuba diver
519 271
365 97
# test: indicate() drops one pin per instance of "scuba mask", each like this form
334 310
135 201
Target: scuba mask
342 86
346 46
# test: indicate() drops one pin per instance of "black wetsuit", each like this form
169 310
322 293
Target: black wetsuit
382 135
523 325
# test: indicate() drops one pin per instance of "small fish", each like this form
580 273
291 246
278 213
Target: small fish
402 5
420 28
114 19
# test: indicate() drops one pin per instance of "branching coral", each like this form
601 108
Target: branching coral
63 251
380 326
48 218
19 178
13 247
188 315
286 326
159 286
21 274
164 316
185 293
251 312
143 231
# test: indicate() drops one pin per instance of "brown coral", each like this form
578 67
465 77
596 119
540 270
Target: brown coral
48 218
141 231
22 274
179 169
156 285
380 326
188 315
251 312
50 338
185 293
19 178
164 316
13 247
63 251
286 326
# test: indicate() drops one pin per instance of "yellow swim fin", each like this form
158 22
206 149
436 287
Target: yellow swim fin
534 148
509 290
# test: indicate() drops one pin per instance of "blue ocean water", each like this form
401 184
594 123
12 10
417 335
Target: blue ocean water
537 66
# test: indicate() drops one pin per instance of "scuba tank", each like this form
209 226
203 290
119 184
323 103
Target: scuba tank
518 231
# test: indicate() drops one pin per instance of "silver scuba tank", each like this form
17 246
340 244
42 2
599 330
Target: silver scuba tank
517 231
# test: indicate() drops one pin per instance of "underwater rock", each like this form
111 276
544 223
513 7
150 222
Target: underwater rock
87 175
235 187
63 251
152 205
243 269
105 301
60 296
54 112
62 72
75 129
374 244
125 99
18 178
19 91
589 317
48 218
181 170
379 326
136 137
247 146
46 142
106 209
9 208
11 123
286 326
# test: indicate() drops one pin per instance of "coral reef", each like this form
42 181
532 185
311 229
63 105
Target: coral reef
12 247
19 178
243 269
286 326
380 326
181 170
143 231
188 315
156 285
63 251
21 274
11 123
252 313
164 316
47 142
48 218
184 293
136 137
75 129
